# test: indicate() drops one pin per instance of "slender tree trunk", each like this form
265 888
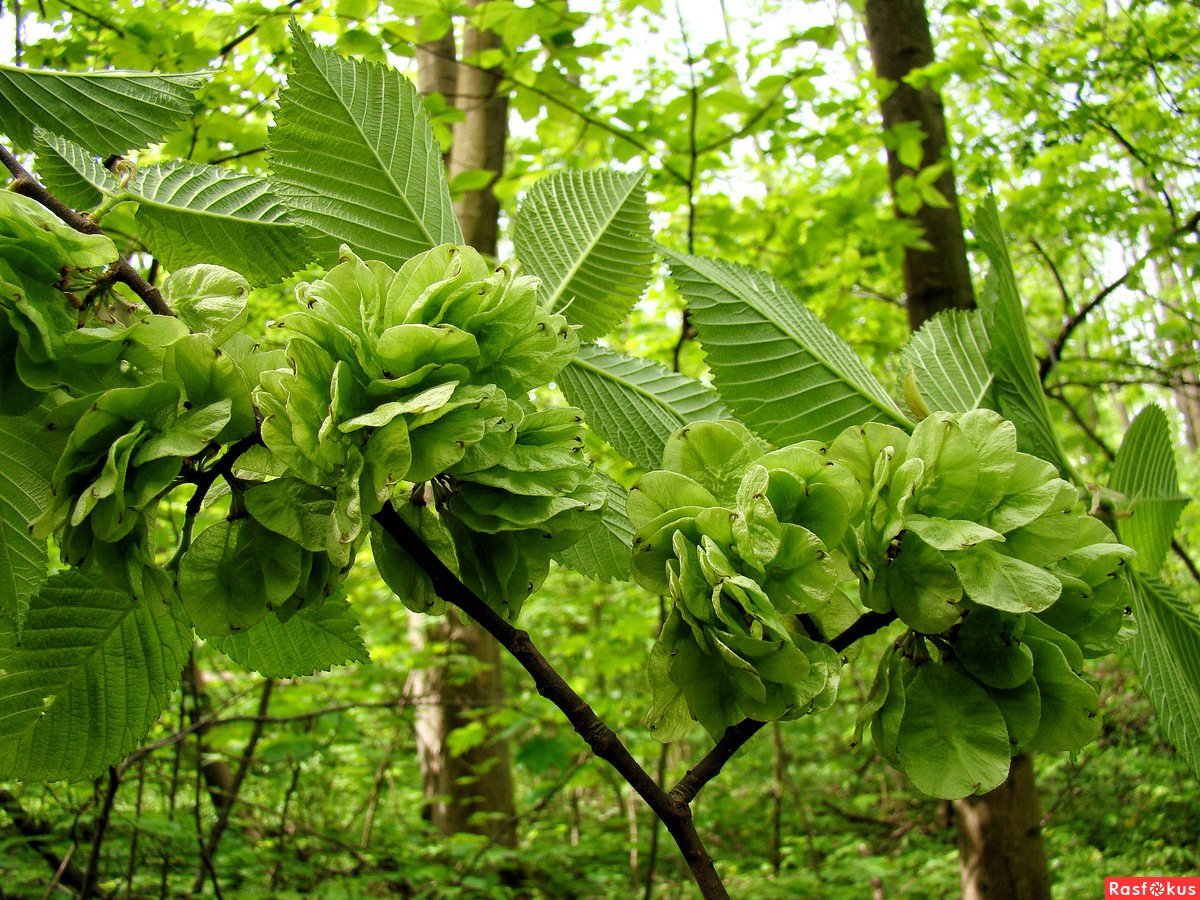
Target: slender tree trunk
480 138
471 791
937 278
999 836
1000 847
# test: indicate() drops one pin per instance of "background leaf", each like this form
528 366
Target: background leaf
947 359
1018 392
354 158
603 553
780 369
313 640
635 404
93 670
105 112
191 214
1144 472
587 236
1167 650
26 463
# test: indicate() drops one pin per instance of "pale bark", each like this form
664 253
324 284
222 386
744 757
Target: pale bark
480 138
472 791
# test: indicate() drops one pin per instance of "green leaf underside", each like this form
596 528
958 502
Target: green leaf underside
587 236
91 675
1017 390
354 158
603 553
948 357
777 366
25 470
635 404
72 174
191 214
188 213
311 641
105 112
1167 651
1144 472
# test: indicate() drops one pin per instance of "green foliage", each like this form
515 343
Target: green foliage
990 560
406 381
586 235
353 158
775 363
85 640
412 384
191 214
1167 649
74 175
107 112
314 640
740 541
187 213
1167 640
603 553
409 387
947 364
951 739
1150 502
1018 393
635 404
26 461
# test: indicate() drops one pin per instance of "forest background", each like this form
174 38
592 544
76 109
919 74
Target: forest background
763 142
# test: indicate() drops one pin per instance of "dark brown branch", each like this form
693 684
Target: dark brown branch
28 186
603 742
736 736
707 769
865 625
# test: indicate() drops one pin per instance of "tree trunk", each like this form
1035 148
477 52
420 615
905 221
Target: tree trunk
479 139
1000 839
999 836
937 278
471 791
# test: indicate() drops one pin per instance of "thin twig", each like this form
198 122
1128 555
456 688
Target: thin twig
121 271
707 769
1191 226
230 798
36 834
110 795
